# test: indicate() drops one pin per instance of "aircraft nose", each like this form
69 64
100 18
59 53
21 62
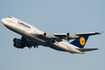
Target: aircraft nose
2 20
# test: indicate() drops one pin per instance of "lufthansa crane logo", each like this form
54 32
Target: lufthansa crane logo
82 41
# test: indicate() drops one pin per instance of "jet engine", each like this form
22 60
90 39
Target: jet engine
16 40
48 35
71 36
18 43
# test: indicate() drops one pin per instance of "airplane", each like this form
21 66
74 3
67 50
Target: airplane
33 37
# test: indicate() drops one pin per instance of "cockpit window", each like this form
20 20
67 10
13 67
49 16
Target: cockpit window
9 17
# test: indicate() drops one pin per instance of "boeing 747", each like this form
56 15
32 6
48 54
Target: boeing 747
33 37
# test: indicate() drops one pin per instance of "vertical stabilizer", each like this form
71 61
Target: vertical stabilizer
80 42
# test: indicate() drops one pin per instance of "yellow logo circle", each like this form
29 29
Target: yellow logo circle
82 41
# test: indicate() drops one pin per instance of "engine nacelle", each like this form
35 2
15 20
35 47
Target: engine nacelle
72 36
16 40
49 35
19 45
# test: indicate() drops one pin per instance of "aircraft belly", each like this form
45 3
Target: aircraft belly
34 39
60 46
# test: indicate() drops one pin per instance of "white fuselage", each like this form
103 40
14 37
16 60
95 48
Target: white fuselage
30 33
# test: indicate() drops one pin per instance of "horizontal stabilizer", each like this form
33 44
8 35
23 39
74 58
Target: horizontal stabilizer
87 49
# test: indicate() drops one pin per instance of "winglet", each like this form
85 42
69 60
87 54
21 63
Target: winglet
101 32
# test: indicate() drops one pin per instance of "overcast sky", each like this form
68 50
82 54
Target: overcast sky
53 16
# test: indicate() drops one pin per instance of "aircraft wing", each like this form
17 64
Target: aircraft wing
75 36
66 36
88 34
60 35
87 49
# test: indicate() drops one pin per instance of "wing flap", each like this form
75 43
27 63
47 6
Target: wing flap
60 35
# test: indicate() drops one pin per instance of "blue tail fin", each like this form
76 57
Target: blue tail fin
80 42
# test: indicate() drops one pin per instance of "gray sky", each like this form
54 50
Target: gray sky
53 16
